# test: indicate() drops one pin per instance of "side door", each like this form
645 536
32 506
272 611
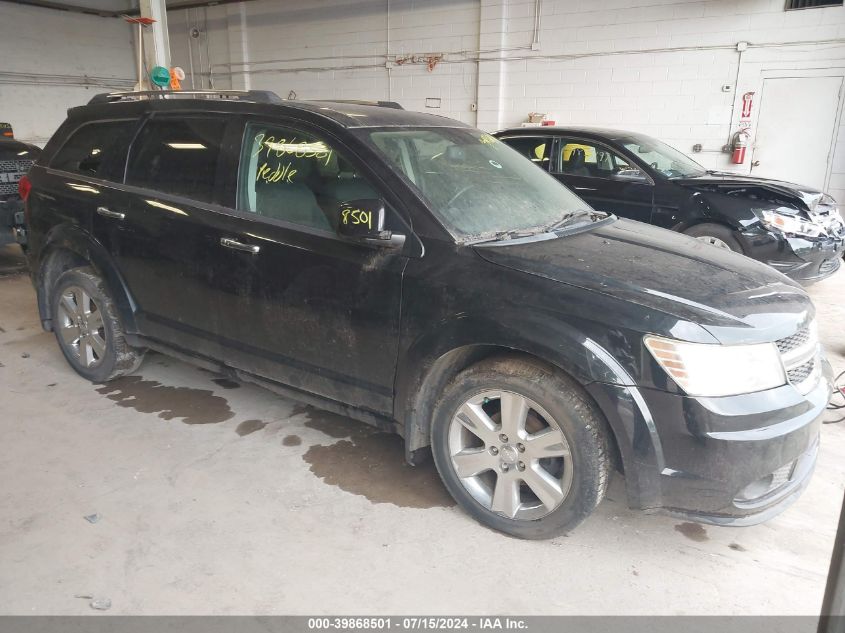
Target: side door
159 234
603 177
86 173
537 149
297 303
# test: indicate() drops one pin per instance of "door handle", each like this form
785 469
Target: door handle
108 213
239 246
584 188
755 163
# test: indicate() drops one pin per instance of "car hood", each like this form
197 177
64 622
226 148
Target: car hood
11 149
726 180
734 298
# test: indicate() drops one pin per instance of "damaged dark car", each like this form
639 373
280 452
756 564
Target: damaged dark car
795 229
417 274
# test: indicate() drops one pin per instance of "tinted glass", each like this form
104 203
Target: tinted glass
474 183
534 149
663 158
177 156
297 177
583 158
96 149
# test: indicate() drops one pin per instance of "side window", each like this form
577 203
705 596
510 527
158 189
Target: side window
177 156
535 149
297 177
97 150
583 158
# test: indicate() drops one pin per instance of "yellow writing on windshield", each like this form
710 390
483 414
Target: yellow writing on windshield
270 146
280 173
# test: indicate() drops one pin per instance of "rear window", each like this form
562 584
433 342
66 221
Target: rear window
96 149
177 156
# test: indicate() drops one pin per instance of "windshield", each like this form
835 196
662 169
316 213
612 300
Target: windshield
665 159
475 184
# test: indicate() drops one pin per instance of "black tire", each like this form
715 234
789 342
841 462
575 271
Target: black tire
118 358
582 424
718 231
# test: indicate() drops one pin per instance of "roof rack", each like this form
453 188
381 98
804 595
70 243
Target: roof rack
252 96
381 104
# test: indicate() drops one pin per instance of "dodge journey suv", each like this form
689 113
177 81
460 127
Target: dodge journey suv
419 275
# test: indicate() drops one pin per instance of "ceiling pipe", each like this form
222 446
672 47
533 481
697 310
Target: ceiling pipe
75 8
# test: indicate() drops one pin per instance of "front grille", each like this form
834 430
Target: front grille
799 374
801 357
16 165
11 172
795 341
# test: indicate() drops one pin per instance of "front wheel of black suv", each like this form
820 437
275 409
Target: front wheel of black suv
521 447
88 329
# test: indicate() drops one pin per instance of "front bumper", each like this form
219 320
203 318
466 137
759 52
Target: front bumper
735 460
8 209
806 260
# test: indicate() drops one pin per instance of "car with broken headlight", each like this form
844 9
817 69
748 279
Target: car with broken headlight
797 230
417 274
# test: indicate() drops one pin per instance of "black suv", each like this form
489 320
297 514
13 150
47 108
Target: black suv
416 273
795 229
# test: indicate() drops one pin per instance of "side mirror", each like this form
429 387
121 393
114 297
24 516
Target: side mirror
363 220
631 175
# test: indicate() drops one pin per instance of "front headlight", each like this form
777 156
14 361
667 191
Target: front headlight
718 370
791 224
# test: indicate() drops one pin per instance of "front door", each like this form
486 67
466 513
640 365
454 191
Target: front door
796 129
604 178
296 303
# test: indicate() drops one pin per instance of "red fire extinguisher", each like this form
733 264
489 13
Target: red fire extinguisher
739 144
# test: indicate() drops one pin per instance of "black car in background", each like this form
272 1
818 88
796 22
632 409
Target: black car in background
796 230
416 273
15 160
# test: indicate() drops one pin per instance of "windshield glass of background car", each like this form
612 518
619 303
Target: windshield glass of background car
474 183
665 159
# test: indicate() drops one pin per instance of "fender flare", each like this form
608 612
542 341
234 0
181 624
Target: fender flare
445 350
73 239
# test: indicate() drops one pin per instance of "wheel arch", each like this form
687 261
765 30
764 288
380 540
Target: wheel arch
67 247
422 377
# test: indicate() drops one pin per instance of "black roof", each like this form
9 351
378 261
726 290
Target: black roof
345 114
595 132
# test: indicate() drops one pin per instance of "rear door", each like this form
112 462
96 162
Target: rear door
537 149
85 175
297 303
161 233
606 179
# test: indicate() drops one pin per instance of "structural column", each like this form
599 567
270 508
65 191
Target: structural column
156 39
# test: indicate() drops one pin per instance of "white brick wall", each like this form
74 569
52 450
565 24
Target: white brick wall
37 41
596 64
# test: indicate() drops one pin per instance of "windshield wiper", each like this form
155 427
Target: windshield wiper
511 234
567 218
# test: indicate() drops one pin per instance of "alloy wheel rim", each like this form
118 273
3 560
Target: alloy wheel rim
714 241
510 455
81 326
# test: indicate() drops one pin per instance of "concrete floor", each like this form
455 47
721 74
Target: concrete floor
221 498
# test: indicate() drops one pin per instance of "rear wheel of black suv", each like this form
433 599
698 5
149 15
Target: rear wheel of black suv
88 329
521 447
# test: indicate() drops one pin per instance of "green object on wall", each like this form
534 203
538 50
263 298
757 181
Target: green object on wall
160 76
